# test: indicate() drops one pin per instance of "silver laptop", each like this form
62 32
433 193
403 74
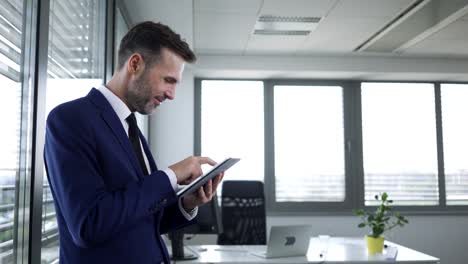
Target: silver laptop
287 241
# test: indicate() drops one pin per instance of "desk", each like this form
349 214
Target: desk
340 250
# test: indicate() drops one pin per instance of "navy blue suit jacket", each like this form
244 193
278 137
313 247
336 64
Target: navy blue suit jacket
107 211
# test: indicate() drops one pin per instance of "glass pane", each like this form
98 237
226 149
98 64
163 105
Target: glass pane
232 126
309 144
11 25
75 65
455 131
10 111
399 142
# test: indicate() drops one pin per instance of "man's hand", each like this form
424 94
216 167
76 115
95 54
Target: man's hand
190 168
203 195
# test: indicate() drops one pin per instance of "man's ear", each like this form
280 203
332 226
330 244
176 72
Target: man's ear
135 64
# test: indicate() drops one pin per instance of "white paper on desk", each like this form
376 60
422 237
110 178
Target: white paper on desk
391 253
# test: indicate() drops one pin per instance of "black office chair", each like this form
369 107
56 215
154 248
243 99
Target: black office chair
243 213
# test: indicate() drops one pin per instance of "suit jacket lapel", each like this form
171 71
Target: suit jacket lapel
151 161
112 120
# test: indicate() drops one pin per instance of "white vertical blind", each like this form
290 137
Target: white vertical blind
454 98
399 142
309 144
232 126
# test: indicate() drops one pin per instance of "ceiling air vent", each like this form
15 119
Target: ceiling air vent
285 26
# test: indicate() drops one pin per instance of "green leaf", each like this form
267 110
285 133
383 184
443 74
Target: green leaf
361 225
359 212
384 196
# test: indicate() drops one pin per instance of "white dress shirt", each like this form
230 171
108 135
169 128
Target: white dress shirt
123 112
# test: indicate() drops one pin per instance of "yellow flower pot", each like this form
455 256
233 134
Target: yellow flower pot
374 245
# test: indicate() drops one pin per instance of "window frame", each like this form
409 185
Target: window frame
354 171
270 182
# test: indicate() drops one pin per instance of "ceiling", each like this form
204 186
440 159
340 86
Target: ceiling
409 28
419 27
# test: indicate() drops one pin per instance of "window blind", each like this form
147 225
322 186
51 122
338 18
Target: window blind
75 64
76 39
10 111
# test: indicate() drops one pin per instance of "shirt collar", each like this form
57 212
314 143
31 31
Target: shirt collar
120 108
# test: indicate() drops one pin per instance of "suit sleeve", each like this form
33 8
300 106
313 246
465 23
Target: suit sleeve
173 219
93 214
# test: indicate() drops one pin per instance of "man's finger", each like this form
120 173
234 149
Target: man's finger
201 194
217 180
208 188
206 160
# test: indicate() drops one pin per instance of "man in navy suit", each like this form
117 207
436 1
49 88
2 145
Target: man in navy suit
112 201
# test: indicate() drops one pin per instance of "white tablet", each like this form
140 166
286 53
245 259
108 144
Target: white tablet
200 181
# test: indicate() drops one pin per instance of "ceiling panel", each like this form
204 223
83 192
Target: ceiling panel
440 47
343 35
315 8
449 41
218 31
262 44
237 6
226 26
369 8
456 30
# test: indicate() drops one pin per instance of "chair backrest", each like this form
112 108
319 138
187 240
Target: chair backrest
243 213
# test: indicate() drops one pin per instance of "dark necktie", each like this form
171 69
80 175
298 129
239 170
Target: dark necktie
133 135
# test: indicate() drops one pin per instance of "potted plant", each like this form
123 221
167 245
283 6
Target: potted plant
381 220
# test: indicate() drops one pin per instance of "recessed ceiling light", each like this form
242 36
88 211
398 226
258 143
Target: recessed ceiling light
278 25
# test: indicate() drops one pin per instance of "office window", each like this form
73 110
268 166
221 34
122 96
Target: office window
15 132
232 126
399 142
309 144
454 98
75 65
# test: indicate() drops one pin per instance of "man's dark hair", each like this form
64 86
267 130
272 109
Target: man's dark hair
147 39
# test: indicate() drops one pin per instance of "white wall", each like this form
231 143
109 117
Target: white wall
171 127
172 139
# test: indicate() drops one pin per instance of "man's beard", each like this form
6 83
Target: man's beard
139 96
